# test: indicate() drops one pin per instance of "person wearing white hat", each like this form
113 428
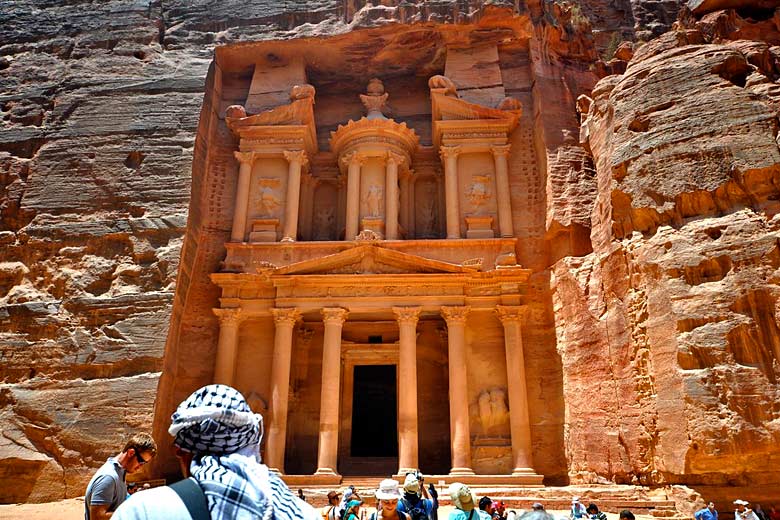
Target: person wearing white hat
577 509
417 507
465 502
742 512
388 496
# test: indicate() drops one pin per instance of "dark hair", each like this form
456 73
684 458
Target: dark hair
628 515
592 507
485 502
141 443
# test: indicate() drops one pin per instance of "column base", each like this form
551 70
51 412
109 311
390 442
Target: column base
521 472
312 480
458 472
403 471
325 471
287 239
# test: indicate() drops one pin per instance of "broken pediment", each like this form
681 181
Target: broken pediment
372 259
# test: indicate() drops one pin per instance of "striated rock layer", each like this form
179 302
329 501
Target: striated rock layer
653 246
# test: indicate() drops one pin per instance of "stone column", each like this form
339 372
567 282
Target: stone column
227 346
407 391
246 160
354 162
285 320
308 190
404 211
460 435
449 155
511 317
327 456
391 195
500 155
297 159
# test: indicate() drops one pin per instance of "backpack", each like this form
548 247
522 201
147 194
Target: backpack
416 512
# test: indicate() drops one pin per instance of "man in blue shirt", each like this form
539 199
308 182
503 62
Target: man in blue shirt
708 513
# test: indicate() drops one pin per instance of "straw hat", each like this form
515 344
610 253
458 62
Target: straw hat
411 483
388 490
741 502
462 497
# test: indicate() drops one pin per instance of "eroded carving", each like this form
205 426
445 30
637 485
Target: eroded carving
479 193
375 99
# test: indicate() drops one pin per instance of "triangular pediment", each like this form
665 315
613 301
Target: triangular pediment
371 259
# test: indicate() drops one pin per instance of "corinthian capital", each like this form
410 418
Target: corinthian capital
353 158
407 314
511 313
396 158
334 315
286 315
296 156
500 150
245 157
449 151
230 317
457 314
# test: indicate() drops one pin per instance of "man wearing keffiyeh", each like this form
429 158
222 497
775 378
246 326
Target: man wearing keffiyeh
218 436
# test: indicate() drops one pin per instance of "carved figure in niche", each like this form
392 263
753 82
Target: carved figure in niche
374 200
493 411
375 99
268 203
323 223
479 192
430 212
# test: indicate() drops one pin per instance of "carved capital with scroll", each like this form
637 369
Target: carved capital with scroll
396 158
296 156
456 314
407 314
511 313
230 317
353 158
245 157
500 150
286 315
446 152
334 315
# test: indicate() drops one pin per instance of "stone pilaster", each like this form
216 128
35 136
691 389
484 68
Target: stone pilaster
500 158
449 154
246 161
297 160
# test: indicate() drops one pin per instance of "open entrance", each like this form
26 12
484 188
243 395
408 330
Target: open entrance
374 412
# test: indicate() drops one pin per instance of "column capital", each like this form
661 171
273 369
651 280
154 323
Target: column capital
296 155
335 315
449 151
353 158
455 314
396 158
286 315
407 314
511 313
229 316
500 150
245 157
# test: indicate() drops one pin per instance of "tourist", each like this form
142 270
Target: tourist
760 513
499 510
536 515
577 508
774 513
330 512
388 496
352 511
485 508
411 503
537 506
347 495
217 440
464 501
626 515
594 513
108 489
743 512
707 513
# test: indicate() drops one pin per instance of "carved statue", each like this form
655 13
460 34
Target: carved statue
235 112
479 192
443 82
323 223
493 411
268 202
430 212
374 200
302 92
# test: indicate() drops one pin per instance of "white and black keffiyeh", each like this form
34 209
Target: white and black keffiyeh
217 426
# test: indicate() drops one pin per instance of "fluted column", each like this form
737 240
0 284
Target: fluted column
449 154
296 160
407 391
391 195
460 434
246 160
284 320
500 157
227 345
511 317
354 162
327 455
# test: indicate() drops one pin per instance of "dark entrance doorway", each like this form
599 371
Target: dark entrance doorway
374 412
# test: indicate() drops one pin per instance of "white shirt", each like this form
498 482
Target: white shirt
151 504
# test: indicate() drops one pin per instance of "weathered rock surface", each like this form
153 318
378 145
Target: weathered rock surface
673 319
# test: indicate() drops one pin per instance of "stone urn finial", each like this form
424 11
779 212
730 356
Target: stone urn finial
374 99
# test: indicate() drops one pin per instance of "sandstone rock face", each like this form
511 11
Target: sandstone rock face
674 316
100 105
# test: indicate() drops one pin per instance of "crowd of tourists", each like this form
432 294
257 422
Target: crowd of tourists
216 438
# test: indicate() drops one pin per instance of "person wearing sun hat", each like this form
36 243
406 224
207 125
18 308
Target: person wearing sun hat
411 503
465 502
743 512
388 496
577 509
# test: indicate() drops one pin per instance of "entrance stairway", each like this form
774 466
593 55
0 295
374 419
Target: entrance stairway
610 499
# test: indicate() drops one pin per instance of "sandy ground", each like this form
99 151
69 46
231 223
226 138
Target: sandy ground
73 509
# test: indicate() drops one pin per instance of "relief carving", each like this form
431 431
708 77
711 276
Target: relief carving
374 200
267 202
375 99
479 193
324 221
493 410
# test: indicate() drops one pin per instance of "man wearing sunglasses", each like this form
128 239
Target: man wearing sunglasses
108 488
